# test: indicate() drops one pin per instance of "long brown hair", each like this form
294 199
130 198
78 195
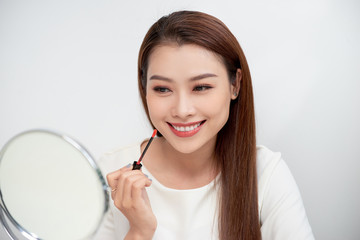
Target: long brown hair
235 149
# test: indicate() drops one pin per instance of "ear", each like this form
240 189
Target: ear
235 86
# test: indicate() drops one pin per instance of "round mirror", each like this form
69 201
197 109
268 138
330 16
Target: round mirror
50 187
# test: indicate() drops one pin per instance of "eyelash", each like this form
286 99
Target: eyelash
161 89
198 88
203 87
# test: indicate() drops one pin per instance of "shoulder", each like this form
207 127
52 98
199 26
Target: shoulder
119 157
271 168
266 160
274 177
281 210
124 151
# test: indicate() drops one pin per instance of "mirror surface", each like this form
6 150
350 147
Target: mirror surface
51 187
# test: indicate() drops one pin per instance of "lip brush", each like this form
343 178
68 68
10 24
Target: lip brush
137 164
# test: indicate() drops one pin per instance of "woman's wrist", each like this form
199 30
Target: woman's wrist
139 235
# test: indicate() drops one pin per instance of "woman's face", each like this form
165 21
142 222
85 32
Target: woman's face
188 95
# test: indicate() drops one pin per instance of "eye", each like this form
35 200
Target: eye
161 89
200 88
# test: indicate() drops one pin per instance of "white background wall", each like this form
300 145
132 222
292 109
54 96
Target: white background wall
70 66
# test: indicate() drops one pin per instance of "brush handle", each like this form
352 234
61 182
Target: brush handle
137 165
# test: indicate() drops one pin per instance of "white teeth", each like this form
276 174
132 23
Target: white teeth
187 128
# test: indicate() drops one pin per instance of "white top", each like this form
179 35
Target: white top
191 214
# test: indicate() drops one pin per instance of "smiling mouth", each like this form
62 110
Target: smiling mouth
186 130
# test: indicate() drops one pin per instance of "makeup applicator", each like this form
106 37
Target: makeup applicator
137 164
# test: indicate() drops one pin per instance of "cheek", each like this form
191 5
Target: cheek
218 105
219 112
157 108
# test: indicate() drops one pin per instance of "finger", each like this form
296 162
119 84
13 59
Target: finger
118 183
127 199
138 188
112 178
123 181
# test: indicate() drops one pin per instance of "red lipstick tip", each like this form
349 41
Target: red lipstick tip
154 133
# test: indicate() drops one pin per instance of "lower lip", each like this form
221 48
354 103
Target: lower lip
186 133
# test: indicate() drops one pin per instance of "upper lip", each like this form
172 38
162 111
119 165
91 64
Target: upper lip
186 124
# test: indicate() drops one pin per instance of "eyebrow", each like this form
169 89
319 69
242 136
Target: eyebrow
196 78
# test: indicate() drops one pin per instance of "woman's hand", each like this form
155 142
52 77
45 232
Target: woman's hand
130 197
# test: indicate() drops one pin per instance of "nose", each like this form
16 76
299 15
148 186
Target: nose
183 106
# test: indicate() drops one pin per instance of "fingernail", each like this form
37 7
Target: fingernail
128 165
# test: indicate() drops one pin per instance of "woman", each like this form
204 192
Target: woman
203 176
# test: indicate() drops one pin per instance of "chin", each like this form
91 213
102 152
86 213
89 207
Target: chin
188 146
185 149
